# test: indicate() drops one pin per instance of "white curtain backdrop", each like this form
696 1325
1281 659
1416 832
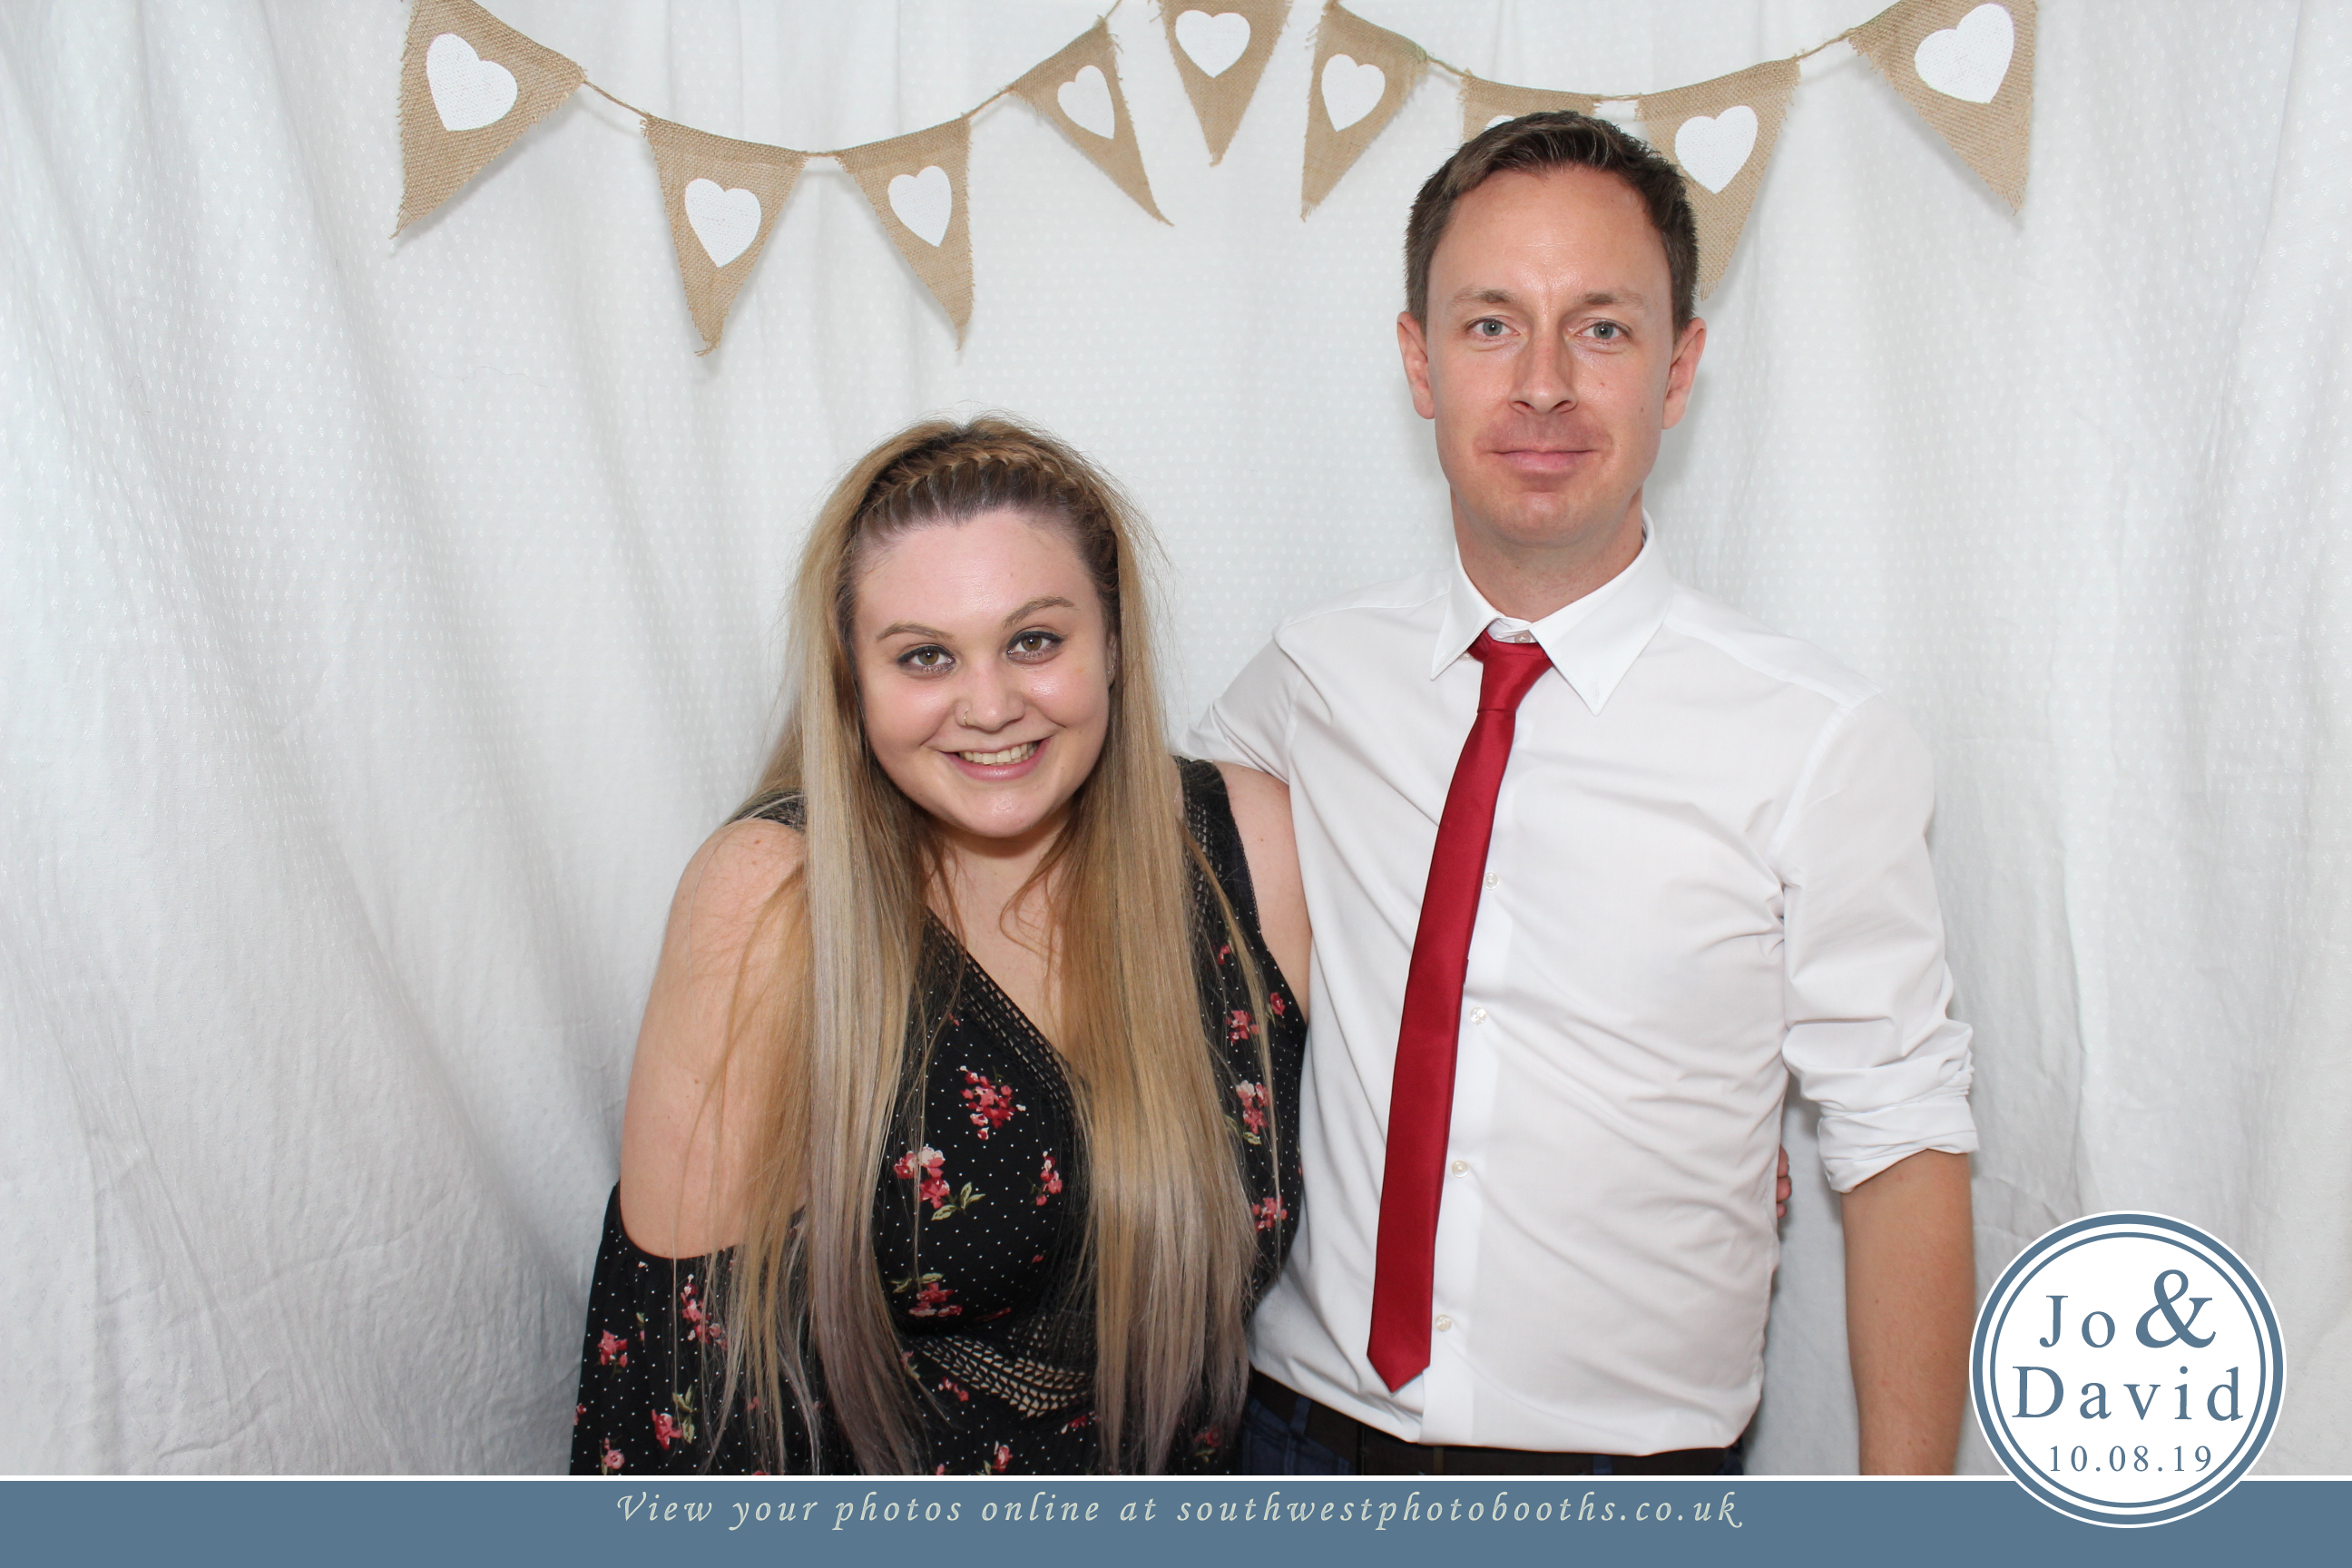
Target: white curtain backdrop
382 624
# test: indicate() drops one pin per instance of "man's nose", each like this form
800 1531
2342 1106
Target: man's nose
1546 378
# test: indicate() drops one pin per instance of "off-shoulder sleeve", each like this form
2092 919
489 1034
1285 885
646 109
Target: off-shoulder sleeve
641 1408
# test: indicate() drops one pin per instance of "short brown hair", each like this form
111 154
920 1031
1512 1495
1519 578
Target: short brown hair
1555 139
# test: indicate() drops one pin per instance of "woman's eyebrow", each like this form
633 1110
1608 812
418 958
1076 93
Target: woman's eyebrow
1047 602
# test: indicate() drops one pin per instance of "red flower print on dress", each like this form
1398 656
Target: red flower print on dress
1225 952
1238 1025
700 1326
950 1385
1082 1419
1254 1102
926 1167
665 1429
577 1412
612 1350
1269 1212
1277 1005
992 1107
1002 1461
931 1295
1049 1182
611 1461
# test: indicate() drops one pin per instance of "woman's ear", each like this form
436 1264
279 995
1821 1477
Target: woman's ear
1111 663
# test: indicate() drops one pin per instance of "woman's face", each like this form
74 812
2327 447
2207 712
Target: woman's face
983 670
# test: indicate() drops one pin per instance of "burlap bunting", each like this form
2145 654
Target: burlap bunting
1363 76
1221 47
919 180
1078 90
1485 102
1720 133
1967 68
723 199
469 85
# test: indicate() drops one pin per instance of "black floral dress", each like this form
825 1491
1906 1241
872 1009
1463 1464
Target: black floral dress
991 1324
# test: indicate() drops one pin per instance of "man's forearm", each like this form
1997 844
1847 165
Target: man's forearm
1910 1294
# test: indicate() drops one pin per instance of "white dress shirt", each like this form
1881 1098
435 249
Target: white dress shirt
1708 869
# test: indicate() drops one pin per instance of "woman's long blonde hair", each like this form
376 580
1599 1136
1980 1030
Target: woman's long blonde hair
1170 1246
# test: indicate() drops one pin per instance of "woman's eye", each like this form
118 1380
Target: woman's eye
928 658
1033 645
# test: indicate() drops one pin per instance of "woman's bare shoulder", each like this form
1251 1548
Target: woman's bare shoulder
1261 806
681 1159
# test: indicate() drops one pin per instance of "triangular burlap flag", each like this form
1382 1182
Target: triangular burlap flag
1967 68
917 185
1363 76
723 198
1485 104
1077 89
1221 48
1720 135
469 85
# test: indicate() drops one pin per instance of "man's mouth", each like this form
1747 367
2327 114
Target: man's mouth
1020 754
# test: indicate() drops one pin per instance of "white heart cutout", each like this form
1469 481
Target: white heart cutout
924 202
468 92
1969 61
725 221
1215 43
1085 99
1350 90
1500 120
1713 151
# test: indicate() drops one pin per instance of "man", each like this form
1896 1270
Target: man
1562 967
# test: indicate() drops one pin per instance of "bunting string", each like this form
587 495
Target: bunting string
470 86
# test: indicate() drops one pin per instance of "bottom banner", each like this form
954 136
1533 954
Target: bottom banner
975 1523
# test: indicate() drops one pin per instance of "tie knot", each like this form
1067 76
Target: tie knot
1511 668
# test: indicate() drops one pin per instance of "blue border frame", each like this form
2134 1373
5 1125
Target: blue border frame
1995 1311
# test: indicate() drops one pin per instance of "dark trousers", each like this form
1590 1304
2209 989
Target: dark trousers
1274 1445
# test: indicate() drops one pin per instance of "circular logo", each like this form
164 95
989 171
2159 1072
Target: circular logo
2127 1368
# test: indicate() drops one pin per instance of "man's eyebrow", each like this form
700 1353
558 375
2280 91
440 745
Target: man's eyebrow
1043 602
1474 296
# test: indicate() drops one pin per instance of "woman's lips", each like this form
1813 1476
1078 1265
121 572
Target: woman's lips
1003 763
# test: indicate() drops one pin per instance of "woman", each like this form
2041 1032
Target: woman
959 1133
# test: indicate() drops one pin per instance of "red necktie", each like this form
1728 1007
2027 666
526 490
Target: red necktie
1420 1096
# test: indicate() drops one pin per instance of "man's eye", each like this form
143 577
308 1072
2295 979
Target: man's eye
1488 328
928 657
1607 331
1033 645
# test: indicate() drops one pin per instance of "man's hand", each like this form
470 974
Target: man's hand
1910 1296
1781 1186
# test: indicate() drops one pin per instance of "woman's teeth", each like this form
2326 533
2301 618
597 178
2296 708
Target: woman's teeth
1020 754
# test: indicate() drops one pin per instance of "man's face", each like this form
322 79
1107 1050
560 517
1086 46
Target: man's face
1549 358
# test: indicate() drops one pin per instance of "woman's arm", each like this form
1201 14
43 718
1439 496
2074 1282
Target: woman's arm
681 1180
1262 811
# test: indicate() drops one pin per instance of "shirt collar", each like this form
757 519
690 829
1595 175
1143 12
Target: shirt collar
1592 642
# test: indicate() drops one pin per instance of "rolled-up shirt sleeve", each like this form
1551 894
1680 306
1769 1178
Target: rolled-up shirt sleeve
1867 991
1253 722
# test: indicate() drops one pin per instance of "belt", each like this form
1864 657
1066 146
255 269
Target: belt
1374 1453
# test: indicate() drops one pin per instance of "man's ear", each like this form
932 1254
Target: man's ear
1689 343
1412 342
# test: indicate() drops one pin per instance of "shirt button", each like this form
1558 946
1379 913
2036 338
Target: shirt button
1460 1166
1492 877
1477 1014
1443 1322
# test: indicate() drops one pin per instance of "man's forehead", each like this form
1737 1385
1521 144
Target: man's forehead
1524 233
